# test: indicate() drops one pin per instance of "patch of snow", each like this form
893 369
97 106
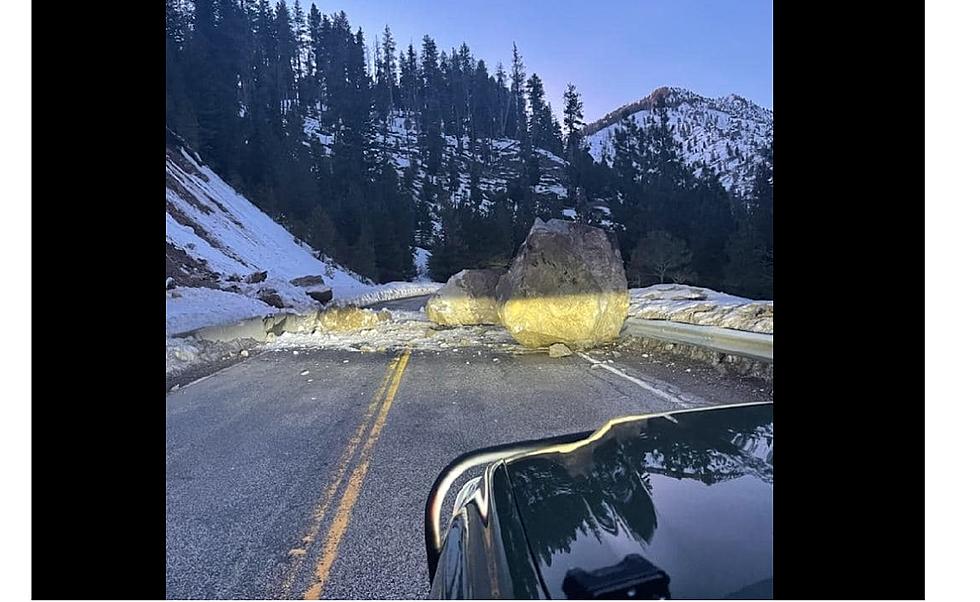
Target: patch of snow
551 155
555 189
312 128
422 264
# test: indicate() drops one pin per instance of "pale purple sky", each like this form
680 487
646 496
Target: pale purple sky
614 51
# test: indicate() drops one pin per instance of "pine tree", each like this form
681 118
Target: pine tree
211 76
409 83
363 260
749 249
761 199
710 223
555 144
387 76
430 95
314 69
746 253
576 158
321 232
286 54
670 171
501 101
573 118
518 116
539 128
302 40
181 116
481 113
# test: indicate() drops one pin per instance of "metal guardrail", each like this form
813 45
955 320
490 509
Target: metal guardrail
754 345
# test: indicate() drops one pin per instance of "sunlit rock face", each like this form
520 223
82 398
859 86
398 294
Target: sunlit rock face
467 299
566 285
339 319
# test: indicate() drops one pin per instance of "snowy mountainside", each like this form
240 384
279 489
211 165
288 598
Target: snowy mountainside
724 133
219 245
401 145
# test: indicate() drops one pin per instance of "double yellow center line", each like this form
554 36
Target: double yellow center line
384 396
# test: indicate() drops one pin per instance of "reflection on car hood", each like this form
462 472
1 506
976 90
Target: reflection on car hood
691 492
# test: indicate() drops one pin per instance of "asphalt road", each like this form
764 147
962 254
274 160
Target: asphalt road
305 473
407 304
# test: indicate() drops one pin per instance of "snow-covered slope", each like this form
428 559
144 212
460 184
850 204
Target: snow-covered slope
217 241
724 133
402 147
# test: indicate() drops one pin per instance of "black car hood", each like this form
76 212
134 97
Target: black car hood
691 492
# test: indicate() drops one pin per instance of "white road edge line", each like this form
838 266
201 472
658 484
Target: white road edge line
661 394
207 376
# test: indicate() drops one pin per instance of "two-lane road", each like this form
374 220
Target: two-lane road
305 473
406 304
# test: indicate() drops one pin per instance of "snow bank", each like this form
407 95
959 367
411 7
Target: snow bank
193 308
181 352
698 305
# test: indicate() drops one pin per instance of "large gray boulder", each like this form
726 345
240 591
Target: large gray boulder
313 280
323 295
566 285
468 298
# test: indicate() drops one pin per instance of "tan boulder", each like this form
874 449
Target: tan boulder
559 350
566 285
468 298
339 319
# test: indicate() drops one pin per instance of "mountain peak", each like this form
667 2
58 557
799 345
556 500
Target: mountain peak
724 134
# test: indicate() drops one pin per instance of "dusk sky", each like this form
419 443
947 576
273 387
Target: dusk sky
614 51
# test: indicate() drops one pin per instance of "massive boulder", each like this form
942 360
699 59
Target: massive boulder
468 298
566 285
